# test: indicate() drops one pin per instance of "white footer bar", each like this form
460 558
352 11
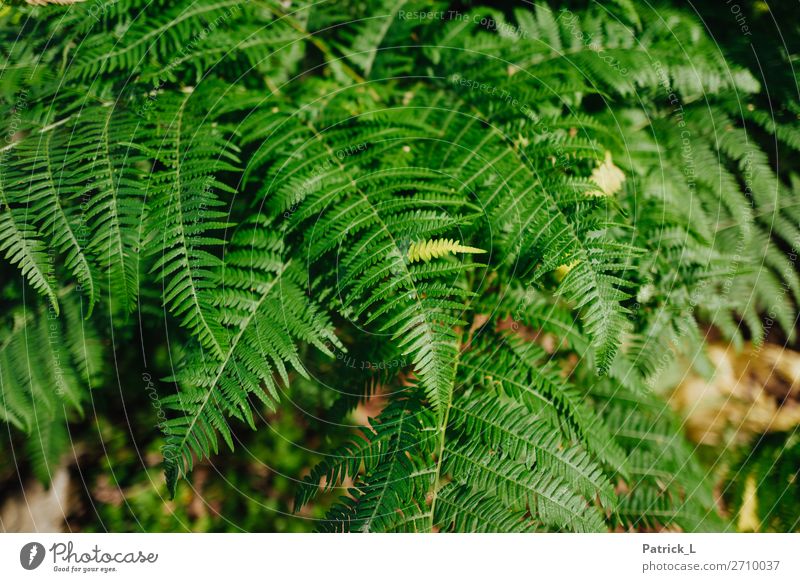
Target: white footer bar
230 557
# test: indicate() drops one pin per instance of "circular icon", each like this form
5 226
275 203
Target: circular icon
31 555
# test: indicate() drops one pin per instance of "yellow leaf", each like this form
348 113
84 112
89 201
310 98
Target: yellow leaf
748 513
608 177
433 249
564 270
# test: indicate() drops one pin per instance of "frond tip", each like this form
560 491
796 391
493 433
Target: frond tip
433 249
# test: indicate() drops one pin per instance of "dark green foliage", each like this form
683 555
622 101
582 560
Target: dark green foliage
251 192
48 363
770 467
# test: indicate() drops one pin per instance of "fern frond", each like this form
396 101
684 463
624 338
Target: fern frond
164 33
460 510
108 182
509 431
433 249
21 246
266 314
545 496
368 220
36 168
185 213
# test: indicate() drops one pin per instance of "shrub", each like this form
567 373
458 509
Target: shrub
505 223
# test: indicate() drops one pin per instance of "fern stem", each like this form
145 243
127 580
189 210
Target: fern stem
442 435
81 255
184 245
114 219
59 123
44 129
